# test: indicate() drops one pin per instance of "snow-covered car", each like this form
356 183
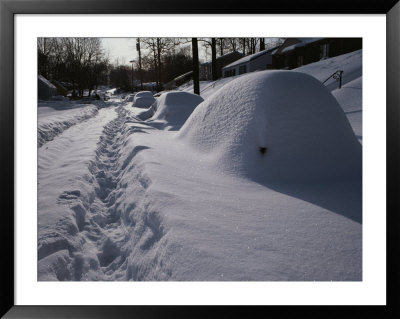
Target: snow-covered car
143 99
103 96
130 97
172 109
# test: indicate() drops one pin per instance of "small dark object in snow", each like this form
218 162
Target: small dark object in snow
263 150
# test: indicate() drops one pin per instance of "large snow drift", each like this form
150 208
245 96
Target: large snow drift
275 125
173 109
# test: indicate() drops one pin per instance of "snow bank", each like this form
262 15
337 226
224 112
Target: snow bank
173 108
350 98
207 88
350 64
275 125
56 116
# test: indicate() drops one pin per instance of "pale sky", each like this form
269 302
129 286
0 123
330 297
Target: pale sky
125 49
122 48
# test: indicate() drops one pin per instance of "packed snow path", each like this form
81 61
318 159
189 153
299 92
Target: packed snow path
82 235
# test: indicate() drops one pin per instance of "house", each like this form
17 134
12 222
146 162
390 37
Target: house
205 71
295 52
61 90
46 90
258 61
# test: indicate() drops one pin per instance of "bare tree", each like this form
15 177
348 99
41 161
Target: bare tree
157 48
44 47
232 43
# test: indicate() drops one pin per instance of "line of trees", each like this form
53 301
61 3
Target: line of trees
78 62
163 59
83 63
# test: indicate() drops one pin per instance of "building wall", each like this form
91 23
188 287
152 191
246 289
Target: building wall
315 51
260 63
45 90
205 71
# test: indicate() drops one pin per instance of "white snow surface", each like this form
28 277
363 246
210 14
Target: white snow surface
349 63
124 199
56 116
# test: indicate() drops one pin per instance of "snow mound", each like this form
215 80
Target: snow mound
54 117
275 126
173 108
143 99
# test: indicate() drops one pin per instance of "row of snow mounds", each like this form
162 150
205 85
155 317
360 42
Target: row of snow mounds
275 125
174 108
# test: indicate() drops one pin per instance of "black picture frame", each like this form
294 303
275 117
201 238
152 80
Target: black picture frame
9 8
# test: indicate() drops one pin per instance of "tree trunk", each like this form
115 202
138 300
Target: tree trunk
262 44
244 46
159 64
155 66
140 63
195 52
214 59
221 46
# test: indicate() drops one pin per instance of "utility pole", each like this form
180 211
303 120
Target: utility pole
140 63
195 52
214 59
132 74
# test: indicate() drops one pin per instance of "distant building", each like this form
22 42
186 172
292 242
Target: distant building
148 86
61 90
205 71
46 90
295 52
258 61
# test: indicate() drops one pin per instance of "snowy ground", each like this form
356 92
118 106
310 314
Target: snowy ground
123 198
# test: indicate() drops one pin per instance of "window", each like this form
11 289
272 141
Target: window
242 69
324 51
229 73
300 60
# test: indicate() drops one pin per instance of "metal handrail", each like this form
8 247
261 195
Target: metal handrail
337 76
211 85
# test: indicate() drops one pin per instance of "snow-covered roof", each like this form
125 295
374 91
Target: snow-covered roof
223 56
47 82
183 75
302 43
249 58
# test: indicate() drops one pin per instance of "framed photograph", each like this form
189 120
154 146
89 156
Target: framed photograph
165 159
